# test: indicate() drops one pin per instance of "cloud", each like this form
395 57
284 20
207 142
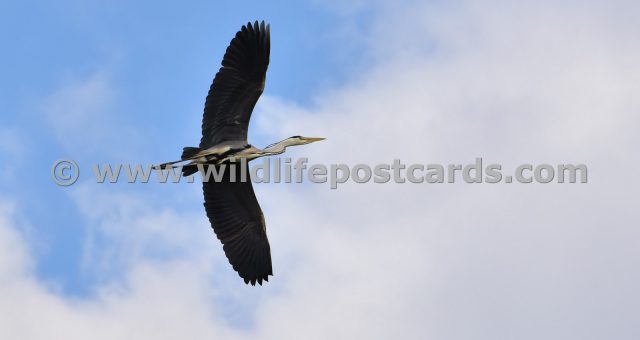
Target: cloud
514 83
83 117
14 258
12 148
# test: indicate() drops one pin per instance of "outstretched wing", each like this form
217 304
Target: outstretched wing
237 220
237 86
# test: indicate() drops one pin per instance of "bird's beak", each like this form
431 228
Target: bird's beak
313 139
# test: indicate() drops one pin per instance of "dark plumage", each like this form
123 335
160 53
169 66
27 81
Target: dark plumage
239 224
231 206
237 86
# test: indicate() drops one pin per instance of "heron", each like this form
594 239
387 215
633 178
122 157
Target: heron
230 204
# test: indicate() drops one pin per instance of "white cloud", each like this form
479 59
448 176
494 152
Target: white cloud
14 258
83 119
535 82
12 148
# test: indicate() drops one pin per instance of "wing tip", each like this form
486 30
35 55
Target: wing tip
256 26
258 280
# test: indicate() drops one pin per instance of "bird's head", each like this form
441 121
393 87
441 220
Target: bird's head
292 141
300 140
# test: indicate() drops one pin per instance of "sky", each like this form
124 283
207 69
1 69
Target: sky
421 81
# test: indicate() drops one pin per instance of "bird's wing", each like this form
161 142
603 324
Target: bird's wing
237 86
237 220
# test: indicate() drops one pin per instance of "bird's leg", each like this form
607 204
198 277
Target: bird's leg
165 165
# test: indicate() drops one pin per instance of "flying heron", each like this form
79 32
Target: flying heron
231 205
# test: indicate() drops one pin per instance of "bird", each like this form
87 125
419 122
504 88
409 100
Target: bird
230 204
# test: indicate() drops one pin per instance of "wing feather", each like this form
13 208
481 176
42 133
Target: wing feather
237 220
237 86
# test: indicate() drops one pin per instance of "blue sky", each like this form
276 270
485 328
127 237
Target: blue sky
421 81
159 60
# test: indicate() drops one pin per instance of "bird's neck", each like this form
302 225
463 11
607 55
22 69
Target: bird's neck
276 149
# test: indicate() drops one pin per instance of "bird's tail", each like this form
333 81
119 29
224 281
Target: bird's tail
189 170
188 152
